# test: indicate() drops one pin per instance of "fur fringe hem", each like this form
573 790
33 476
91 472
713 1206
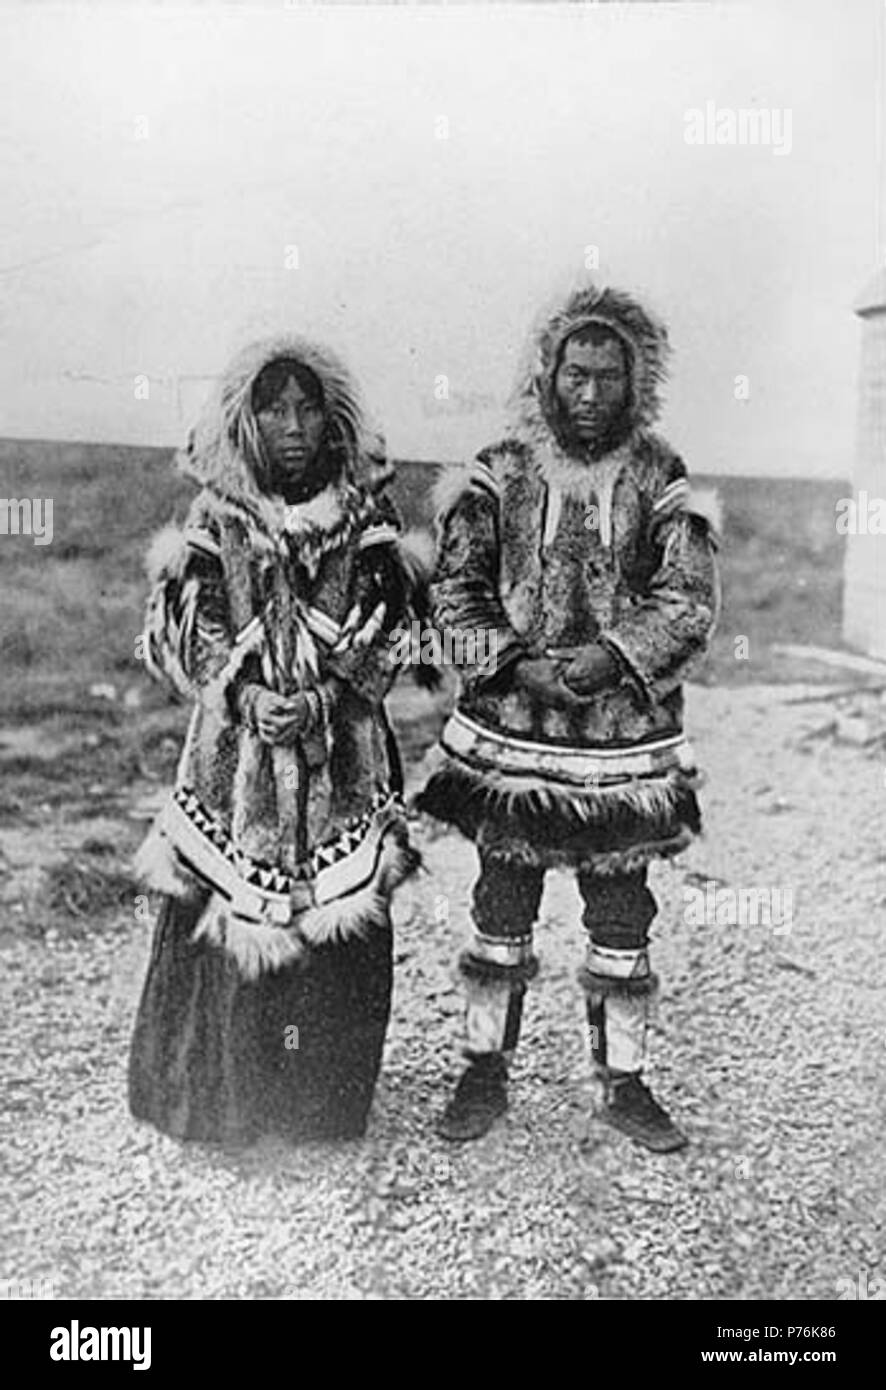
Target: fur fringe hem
263 947
257 947
155 865
607 864
653 800
602 830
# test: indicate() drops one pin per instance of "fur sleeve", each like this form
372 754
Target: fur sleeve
671 626
188 640
465 595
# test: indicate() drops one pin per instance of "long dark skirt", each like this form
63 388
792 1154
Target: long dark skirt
209 1058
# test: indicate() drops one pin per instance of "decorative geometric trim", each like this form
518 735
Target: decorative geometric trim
262 892
261 947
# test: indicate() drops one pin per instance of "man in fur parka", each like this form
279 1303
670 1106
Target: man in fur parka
577 544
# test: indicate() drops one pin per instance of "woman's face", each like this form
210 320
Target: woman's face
291 429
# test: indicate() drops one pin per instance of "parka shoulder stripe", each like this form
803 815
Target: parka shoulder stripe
673 499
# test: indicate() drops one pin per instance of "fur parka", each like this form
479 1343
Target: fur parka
303 843
550 551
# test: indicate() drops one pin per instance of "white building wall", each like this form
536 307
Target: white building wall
864 601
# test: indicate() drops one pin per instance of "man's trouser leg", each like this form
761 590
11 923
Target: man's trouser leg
495 968
618 983
618 911
500 960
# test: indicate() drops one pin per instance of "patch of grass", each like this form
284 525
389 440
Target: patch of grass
82 771
86 887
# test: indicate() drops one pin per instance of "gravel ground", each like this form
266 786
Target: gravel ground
770 1047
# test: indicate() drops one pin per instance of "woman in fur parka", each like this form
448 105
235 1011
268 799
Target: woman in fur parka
577 545
268 991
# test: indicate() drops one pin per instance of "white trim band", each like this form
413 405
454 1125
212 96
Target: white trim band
484 748
618 965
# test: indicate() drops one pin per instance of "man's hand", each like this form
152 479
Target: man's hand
541 678
278 718
592 668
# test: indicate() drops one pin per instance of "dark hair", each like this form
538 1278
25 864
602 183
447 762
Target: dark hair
597 333
273 377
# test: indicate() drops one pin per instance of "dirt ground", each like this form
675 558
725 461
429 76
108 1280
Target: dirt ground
769 1045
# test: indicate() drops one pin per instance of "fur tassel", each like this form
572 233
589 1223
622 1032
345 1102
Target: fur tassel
166 554
352 915
449 485
257 947
155 865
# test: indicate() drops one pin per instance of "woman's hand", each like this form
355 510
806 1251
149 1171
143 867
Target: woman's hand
279 718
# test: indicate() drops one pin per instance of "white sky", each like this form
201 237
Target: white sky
420 256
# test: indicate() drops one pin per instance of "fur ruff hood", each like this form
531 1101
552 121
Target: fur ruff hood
224 450
643 336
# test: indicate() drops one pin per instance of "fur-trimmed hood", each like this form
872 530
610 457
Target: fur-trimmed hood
645 340
224 450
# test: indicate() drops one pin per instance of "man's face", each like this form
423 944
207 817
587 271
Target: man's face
592 387
291 429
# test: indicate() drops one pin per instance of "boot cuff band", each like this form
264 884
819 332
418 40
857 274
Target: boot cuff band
618 964
592 983
475 967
